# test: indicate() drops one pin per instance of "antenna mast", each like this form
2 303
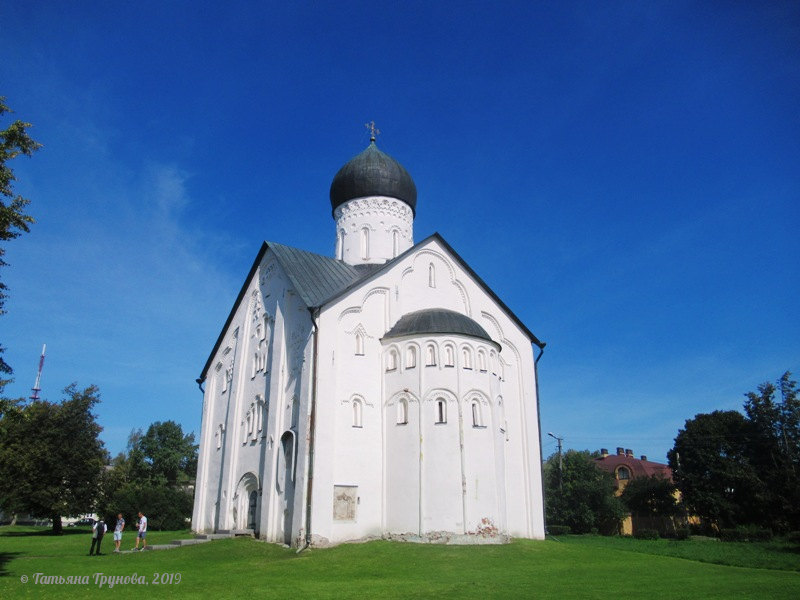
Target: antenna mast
36 389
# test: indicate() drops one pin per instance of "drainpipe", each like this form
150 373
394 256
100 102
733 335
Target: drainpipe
311 429
539 419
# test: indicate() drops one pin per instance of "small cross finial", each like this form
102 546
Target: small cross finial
373 131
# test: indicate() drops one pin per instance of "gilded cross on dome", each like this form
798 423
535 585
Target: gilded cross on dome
373 131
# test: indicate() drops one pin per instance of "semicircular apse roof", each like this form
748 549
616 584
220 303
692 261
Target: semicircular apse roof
437 321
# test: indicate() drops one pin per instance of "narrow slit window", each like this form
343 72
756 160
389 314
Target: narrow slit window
441 411
449 358
340 245
359 344
391 360
411 357
402 412
430 356
482 360
365 243
476 414
395 242
431 275
357 412
467 358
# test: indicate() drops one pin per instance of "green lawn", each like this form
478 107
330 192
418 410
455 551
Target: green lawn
579 567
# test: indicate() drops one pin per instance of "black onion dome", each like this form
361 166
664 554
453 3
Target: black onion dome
373 173
437 320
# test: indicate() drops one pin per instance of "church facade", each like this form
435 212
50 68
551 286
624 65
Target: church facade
386 392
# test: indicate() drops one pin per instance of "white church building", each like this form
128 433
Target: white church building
386 392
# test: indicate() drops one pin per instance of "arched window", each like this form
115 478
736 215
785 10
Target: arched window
482 360
391 360
431 275
411 357
340 245
493 362
430 355
357 410
623 474
359 344
441 410
449 356
395 242
402 411
467 358
476 414
364 243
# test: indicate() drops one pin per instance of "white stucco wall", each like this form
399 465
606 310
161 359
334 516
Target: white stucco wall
420 477
253 396
409 477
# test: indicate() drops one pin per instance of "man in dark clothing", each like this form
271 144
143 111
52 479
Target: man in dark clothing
98 531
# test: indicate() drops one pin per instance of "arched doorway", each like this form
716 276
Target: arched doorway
245 506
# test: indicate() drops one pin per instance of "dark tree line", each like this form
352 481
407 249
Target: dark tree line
154 475
739 469
53 465
581 496
51 457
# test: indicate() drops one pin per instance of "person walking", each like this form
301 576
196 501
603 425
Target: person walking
118 532
142 535
98 531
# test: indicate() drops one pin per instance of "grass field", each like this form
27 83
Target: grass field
575 567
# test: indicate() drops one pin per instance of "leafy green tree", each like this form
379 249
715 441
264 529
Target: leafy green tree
583 498
14 140
51 456
653 496
171 455
711 466
165 507
153 476
774 445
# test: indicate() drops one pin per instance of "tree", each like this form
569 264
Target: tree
153 476
736 469
774 444
653 496
14 141
585 500
51 456
711 466
653 503
171 455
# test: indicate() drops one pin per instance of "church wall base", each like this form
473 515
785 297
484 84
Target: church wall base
449 538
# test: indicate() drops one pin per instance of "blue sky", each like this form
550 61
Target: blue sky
626 176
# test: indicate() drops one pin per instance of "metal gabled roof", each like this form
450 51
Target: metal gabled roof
320 279
314 277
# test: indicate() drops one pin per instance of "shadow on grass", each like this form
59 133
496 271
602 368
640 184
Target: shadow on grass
789 548
5 558
46 532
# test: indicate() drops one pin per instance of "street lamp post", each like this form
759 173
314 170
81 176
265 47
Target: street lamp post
560 462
